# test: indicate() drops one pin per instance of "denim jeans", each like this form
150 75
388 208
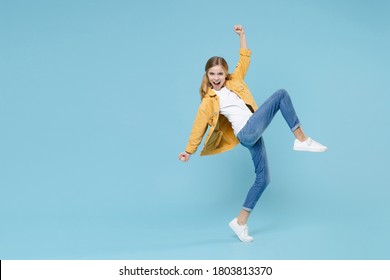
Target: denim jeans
250 136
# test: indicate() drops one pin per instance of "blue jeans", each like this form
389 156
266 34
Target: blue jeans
250 137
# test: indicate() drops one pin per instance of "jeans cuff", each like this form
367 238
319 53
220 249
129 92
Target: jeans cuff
247 209
296 127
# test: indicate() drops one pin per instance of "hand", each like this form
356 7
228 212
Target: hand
239 29
184 156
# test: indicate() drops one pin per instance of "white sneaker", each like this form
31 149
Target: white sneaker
241 231
309 145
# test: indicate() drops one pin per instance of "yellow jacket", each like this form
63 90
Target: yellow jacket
220 137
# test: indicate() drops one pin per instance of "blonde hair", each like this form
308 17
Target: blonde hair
214 61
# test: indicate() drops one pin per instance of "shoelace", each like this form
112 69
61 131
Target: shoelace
309 141
245 231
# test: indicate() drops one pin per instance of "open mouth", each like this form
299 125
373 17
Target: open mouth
217 83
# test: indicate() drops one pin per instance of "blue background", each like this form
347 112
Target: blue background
97 99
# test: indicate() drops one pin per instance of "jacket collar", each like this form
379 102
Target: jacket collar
210 92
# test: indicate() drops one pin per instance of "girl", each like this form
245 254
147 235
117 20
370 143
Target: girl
229 109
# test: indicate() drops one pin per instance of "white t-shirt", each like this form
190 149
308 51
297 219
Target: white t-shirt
233 108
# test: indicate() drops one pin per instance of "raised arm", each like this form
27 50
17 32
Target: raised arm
245 53
239 29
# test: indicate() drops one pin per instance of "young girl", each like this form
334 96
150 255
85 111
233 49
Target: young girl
229 109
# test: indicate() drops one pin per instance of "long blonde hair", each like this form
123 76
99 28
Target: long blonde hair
214 61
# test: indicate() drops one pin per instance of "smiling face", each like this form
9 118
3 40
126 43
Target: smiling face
217 77
216 73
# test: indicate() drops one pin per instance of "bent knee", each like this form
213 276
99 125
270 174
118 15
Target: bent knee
282 92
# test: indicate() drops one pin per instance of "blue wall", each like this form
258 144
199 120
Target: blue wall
97 98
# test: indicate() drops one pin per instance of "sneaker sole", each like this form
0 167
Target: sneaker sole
312 151
245 241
